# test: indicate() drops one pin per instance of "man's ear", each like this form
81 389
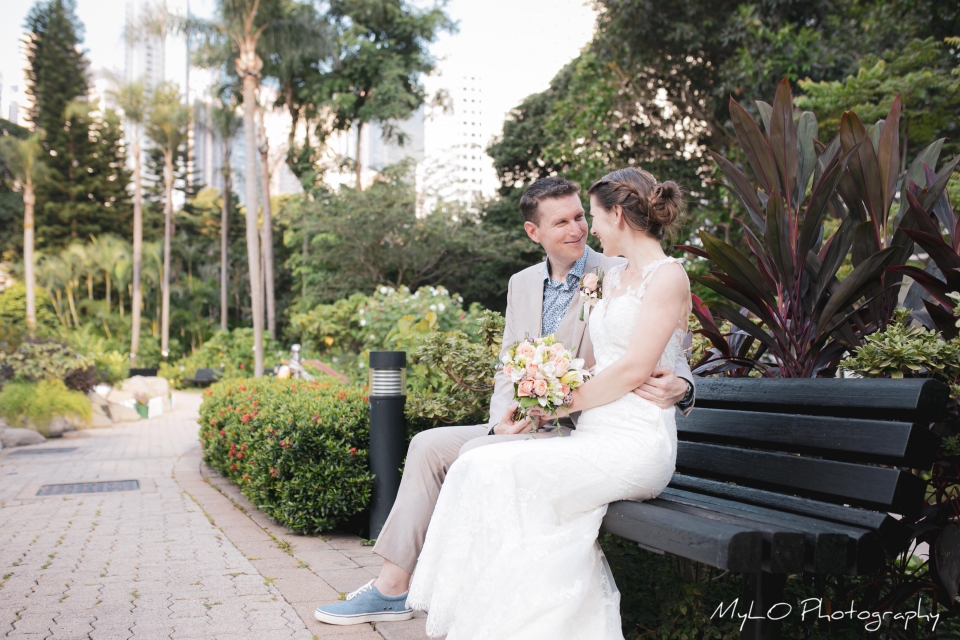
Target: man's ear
533 231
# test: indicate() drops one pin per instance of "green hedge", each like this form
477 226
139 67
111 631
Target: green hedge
298 450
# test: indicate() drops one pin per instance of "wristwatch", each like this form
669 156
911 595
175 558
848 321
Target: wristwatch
687 399
490 433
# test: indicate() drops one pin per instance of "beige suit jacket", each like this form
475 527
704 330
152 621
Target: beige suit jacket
524 315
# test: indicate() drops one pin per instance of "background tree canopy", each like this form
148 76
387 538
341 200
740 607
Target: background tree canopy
652 88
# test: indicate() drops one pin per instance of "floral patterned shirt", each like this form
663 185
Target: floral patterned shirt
557 295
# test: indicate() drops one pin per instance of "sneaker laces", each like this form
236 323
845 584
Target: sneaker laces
365 588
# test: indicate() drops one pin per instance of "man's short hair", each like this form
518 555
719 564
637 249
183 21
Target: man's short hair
545 189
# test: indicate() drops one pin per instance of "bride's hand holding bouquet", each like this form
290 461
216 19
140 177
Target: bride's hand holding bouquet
544 374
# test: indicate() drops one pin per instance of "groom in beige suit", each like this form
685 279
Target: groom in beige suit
541 299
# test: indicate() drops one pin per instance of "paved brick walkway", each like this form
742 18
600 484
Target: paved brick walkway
186 556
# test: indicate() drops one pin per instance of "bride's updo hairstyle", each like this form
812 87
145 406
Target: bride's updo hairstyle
650 206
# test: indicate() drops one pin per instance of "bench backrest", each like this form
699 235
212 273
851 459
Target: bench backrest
842 441
205 374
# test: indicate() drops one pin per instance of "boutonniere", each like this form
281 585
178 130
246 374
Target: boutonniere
590 292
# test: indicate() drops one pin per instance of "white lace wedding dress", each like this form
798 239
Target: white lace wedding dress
511 552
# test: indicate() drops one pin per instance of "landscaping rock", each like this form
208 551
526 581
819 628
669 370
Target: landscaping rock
150 387
13 437
58 426
118 396
121 413
98 402
97 421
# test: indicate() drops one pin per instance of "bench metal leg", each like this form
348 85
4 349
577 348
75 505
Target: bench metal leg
764 590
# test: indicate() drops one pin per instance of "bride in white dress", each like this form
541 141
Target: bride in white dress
511 551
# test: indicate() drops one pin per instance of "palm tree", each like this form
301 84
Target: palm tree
226 123
132 99
121 275
153 274
52 275
74 262
245 25
167 128
241 15
23 158
107 250
266 231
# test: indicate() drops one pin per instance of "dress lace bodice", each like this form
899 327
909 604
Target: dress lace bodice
613 319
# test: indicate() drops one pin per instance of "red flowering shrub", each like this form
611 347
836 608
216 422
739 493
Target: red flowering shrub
297 450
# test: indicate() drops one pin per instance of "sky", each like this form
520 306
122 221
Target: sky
516 46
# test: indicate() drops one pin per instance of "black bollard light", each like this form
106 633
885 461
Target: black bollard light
388 431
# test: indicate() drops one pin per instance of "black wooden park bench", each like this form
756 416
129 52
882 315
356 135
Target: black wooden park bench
203 377
778 477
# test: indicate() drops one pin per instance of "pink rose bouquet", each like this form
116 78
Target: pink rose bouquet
544 374
590 291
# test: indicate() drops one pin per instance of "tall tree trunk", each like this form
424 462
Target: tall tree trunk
56 297
266 231
250 80
357 160
167 233
106 277
225 236
137 302
305 252
29 200
73 306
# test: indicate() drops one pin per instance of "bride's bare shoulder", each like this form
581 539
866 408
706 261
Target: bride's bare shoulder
670 280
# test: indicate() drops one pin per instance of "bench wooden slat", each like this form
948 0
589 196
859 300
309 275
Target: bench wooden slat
873 487
832 547
894 535
846 439
784 548
907 400
718 544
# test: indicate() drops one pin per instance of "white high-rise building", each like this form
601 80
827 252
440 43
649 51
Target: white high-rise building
13 110
468 143
145 55
457 137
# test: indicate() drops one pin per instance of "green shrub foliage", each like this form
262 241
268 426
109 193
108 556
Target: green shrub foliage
230 353
344 332
298 450
36 361
36 404
902 350
466 365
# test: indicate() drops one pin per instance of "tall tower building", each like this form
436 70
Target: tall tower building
14 109
144 56
468 144
457 138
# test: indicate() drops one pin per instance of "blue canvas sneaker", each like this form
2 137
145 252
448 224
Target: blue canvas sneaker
366 604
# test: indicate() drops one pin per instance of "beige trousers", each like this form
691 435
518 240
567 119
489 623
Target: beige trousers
429 457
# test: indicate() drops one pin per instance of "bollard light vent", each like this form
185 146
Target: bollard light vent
388 373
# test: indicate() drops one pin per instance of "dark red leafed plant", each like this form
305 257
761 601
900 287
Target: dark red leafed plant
732 354
806 317
930 209
787 293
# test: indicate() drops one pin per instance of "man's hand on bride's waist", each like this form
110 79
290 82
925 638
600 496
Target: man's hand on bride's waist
663 388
